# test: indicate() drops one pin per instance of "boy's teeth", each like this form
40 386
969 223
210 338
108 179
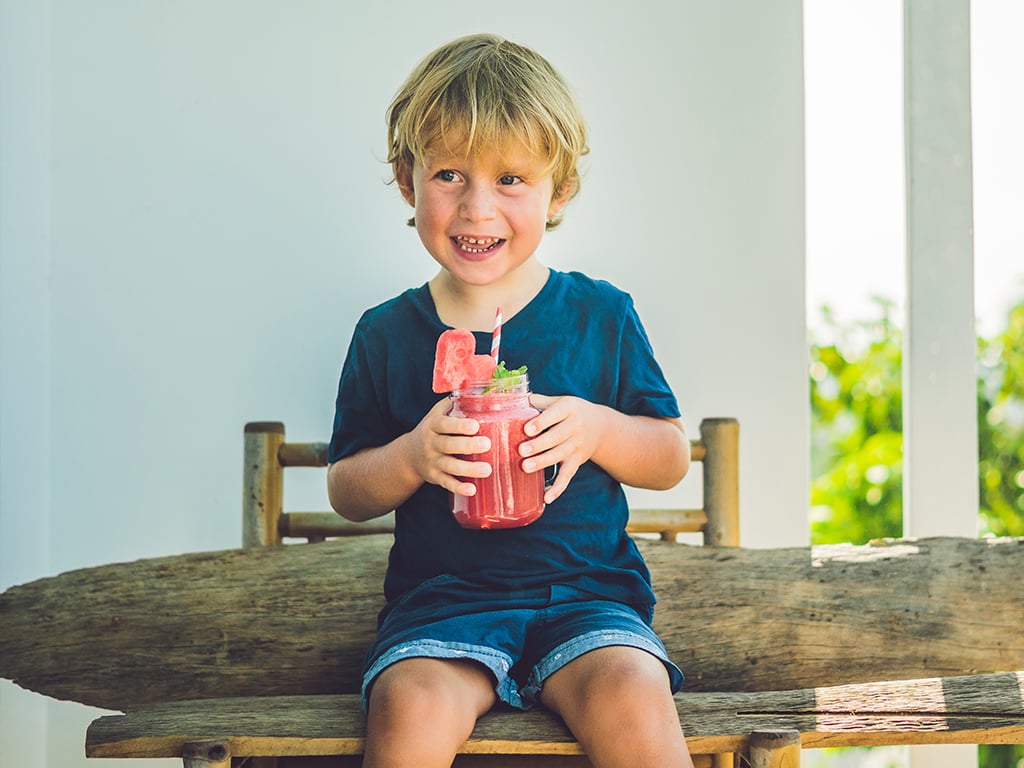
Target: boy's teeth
477 244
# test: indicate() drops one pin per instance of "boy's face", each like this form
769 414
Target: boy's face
483 216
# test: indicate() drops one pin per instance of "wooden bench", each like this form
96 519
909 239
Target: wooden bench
252 656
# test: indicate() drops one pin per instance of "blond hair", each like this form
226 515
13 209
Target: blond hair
486 93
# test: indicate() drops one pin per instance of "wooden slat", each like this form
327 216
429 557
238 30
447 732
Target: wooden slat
193 626
315 454
658 520
319 525
303 455
958 710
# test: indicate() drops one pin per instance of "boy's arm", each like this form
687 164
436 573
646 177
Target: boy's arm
374 481
641 451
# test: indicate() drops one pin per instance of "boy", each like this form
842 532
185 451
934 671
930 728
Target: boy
484 141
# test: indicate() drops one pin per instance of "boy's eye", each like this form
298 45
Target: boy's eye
508 179
447 175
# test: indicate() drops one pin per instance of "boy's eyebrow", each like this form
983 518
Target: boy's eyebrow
443 157
532 166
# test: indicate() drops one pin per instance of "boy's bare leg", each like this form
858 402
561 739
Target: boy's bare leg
421 711
617 702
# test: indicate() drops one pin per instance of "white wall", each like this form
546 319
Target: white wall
193 214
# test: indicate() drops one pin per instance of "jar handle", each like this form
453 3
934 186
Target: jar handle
550 473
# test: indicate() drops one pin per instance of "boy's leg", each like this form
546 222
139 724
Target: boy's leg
421 710
617 702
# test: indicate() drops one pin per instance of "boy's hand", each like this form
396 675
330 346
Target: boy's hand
434 443
567 433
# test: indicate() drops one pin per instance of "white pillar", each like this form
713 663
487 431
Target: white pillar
940 495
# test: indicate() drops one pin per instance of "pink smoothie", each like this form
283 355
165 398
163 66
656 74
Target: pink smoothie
509 497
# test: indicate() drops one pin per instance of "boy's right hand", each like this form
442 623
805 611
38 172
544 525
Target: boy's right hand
434 446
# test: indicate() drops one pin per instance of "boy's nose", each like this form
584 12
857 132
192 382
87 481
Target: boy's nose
477 204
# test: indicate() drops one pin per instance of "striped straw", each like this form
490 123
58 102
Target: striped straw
496 335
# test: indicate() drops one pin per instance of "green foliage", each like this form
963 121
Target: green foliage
1001 756
856 430
1001 428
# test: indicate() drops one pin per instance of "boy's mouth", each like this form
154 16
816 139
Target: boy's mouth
477 244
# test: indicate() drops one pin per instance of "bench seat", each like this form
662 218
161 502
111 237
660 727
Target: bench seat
986 708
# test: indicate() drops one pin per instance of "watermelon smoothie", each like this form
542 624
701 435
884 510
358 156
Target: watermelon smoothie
509 497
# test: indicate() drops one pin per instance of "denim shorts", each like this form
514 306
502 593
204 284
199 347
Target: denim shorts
522 637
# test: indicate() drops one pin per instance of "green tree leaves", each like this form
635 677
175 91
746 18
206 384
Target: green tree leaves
857 432
856 429
1001 428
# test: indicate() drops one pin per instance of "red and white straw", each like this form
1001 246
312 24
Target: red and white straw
496 336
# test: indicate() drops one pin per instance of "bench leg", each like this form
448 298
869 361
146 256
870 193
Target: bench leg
774 749
209 753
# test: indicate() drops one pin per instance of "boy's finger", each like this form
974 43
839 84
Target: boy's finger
452 444
450 425
541 401
460 468
460 488
540 423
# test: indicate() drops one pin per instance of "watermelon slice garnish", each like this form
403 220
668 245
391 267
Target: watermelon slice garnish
455 361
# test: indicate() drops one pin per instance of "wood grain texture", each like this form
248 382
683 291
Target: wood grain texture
297 619
966 709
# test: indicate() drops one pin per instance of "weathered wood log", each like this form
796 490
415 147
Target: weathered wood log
971 709
297 619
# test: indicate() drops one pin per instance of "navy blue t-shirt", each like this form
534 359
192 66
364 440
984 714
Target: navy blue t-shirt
579 336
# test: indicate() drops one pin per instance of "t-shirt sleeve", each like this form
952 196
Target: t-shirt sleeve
643 389
359 418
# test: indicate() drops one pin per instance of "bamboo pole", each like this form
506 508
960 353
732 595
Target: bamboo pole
208 753
775 749
721 438
303 454
262 484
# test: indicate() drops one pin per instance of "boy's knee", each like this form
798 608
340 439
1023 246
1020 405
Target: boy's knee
623 669
430 690
618 679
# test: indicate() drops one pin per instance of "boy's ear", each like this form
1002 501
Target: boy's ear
403 177
560 197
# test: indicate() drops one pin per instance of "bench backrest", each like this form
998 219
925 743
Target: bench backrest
267 455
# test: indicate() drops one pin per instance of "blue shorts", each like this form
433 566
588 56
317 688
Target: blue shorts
522 637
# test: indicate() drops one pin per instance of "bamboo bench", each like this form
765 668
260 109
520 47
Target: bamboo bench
267 454
252 656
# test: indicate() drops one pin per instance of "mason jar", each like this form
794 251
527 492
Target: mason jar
509 497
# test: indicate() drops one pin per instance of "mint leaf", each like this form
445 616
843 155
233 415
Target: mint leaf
501 372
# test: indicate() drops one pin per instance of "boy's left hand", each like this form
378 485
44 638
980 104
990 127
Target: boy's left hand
567 432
